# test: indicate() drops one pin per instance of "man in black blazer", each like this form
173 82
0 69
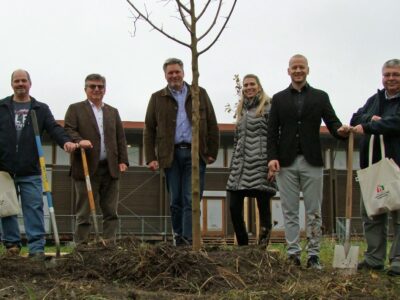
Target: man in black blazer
294 150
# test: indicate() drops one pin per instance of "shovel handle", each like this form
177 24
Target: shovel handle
87 179
349 185
45 182
90 192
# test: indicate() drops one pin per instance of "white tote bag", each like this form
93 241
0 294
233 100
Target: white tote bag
380 183
9 205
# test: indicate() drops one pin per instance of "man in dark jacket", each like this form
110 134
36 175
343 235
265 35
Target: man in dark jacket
294 150
381 116
19 157
168 138
98 128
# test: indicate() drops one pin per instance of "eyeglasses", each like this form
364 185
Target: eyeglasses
394 74
94 86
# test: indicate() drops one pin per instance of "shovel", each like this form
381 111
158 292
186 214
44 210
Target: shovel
90 195
346 256
45 182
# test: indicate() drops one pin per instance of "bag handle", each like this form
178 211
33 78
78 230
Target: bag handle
371 148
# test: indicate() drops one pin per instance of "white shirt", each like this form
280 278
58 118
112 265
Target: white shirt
98 113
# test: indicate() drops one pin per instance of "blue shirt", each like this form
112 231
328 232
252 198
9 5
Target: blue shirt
183 131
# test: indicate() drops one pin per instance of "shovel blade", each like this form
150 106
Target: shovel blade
347 262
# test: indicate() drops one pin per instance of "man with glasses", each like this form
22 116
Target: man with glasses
97 127
381 115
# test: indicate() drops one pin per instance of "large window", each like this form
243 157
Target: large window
340 160
62 157
230 152
134 155
219 163
48 153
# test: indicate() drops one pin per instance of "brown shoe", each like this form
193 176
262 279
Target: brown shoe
13 250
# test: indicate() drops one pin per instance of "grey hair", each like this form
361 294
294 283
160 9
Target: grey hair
172 61
26 72
391 63
95 77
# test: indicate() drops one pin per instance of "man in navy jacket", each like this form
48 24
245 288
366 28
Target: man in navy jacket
381 115
19 157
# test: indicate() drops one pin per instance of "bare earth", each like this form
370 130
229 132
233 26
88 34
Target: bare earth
131 270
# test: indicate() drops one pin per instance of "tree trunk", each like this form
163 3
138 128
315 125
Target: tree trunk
195 135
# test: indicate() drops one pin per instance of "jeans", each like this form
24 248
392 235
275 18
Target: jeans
30 189
179 184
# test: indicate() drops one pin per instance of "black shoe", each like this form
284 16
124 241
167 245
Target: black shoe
37 256
295 260
263 238
366 266
313 263
394 268
182 241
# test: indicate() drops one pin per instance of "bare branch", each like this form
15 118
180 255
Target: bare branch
220 32
182 8
180 4
204 9
147 19
213 22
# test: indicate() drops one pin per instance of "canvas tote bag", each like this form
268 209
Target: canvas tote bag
9 205
380 183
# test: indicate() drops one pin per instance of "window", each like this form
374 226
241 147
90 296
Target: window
62 157
134 155
219 163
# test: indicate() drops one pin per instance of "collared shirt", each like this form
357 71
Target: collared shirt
299 97
183 131
391 97
98 113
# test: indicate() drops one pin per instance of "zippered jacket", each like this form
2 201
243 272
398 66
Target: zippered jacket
388 125
22 159
249 167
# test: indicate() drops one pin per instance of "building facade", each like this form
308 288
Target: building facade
144 206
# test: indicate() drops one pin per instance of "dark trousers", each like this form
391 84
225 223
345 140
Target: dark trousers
236 199
105 191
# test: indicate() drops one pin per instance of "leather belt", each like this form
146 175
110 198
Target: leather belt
183 146
103 162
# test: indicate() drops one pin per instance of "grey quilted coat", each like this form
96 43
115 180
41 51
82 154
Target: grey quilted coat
249 166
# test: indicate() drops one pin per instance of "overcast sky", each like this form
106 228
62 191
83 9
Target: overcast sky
60 42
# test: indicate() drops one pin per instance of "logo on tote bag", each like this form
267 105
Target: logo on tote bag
380 188
380 192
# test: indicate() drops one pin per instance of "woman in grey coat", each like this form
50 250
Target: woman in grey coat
248 176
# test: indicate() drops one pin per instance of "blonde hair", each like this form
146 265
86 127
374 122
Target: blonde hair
264 99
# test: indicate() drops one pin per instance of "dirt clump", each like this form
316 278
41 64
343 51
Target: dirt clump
134 270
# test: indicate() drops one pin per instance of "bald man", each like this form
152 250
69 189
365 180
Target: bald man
19 157
295 156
